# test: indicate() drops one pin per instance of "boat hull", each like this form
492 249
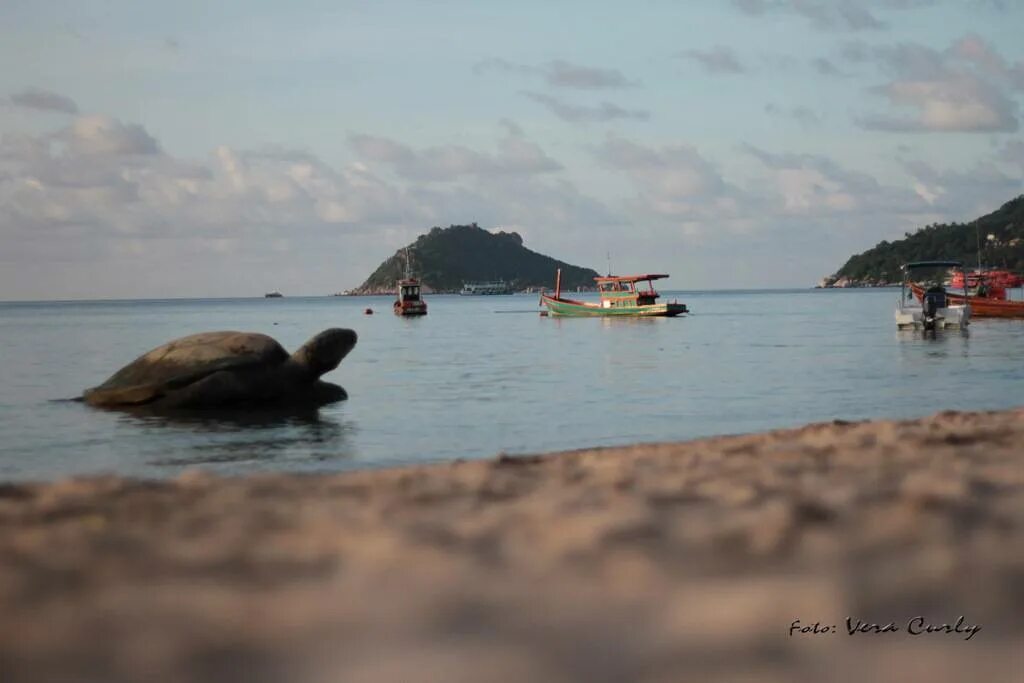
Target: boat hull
567 308
410 309
981 307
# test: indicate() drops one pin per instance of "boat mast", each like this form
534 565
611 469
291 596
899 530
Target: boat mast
977 242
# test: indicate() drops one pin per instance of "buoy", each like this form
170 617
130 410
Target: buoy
368 311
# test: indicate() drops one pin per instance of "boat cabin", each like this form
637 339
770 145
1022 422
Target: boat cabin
627 290
409 290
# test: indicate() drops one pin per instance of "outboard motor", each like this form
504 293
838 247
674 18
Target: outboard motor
933 300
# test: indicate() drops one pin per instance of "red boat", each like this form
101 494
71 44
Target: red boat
408 301
981 306
1004 279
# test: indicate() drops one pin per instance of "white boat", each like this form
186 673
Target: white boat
481 288
935 309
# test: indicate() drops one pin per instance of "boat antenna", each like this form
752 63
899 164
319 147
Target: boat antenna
609 264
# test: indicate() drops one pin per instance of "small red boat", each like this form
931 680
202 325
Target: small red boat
981 306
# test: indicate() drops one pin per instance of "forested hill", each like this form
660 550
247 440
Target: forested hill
445 258
1001 234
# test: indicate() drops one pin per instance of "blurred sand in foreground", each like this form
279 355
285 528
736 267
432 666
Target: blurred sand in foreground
654 563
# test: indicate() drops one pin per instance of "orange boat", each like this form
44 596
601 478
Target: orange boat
981 306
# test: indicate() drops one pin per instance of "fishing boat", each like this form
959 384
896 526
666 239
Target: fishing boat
620 296
408 301
931 306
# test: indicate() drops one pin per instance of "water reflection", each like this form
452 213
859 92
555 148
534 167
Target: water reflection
226 419
226 437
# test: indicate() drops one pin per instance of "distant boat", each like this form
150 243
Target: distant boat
620 296
273 295
483 288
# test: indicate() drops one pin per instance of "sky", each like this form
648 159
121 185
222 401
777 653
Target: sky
197 149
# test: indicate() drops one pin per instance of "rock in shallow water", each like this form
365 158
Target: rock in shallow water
224 369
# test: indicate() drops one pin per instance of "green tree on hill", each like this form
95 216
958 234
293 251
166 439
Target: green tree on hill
1000 235
445 258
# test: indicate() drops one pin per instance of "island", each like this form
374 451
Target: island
446 258
999 236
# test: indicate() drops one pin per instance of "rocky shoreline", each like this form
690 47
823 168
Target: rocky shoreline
746 558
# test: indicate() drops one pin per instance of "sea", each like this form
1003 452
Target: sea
482 376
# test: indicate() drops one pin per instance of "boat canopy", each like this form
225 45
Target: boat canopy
630 278
932 264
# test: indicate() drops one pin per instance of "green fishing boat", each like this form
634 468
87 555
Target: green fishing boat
620 296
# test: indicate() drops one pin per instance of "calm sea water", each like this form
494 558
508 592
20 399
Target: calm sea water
482 375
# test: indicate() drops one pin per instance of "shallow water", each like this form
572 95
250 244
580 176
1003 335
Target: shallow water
482 375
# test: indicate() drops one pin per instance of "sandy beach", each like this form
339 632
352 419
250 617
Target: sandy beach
745 558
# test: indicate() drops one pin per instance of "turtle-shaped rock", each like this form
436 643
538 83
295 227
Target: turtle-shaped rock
223 369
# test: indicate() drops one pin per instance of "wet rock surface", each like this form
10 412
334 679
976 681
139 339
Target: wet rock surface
661 562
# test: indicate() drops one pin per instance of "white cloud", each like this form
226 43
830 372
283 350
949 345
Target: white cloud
103 196
103 135
964 88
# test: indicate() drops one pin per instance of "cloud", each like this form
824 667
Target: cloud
43 100
829 15
561 74
802 115
814 184
961 89
515 156
825 67
86 208
952 104
574 113
1013 153
975 50
674 183
966 193
718 60
104 135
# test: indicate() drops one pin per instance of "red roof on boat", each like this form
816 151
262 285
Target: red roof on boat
630 278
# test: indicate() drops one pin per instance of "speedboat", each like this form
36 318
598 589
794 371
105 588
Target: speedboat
925 304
